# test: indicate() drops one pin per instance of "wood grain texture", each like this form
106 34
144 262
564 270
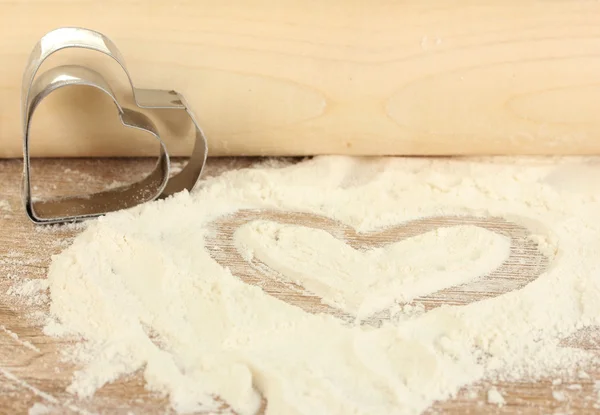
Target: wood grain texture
295 77
31 370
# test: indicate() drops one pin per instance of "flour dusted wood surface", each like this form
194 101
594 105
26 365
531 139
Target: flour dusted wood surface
31 370
295 77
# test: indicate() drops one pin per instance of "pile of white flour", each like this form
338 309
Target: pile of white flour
142 290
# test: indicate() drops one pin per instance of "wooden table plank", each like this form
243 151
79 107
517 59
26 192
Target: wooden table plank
31 370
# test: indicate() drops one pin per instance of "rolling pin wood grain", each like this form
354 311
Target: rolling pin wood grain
297 77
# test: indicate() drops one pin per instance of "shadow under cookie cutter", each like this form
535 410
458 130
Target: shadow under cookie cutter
157 184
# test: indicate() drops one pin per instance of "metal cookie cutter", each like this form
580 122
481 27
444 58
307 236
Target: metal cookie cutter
157 184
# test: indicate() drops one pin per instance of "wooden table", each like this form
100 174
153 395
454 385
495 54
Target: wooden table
31 370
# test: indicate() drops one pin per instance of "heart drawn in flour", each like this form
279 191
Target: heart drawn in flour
523 264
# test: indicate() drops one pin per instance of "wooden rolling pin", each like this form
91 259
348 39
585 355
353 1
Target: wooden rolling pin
297 77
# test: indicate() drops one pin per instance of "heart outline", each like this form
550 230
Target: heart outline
524 264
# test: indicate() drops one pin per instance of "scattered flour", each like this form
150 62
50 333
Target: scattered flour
31 291
39 409
176 167
495 397
17 339
115 184
5 209
559 396
5 206
597 390
583 375
43 395
142 289
472 394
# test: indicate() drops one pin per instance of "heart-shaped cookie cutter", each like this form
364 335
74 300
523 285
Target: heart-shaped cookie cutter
155 185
